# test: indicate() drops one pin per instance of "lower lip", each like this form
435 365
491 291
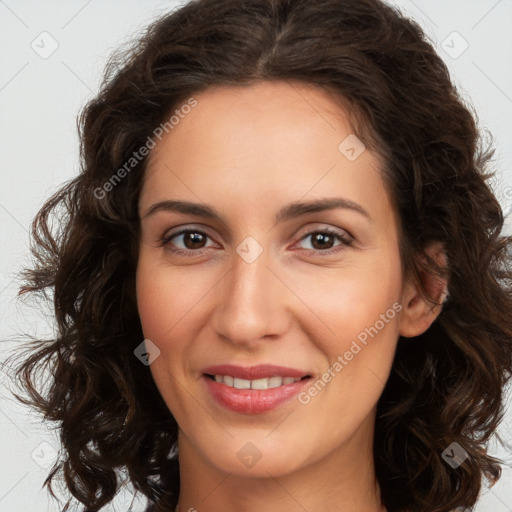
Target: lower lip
252 401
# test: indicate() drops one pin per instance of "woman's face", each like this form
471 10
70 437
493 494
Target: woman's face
281 261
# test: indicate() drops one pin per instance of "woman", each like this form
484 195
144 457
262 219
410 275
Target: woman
280 281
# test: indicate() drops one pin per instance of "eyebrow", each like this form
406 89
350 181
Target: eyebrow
289 211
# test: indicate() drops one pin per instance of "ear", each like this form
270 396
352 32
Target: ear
417 313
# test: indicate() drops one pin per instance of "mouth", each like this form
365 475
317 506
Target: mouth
253 390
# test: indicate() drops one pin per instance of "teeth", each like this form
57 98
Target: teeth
242 384
267 383
259 384
275 382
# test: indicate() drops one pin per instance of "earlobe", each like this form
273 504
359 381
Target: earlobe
418 313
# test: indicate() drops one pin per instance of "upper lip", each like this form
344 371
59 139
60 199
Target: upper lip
261 371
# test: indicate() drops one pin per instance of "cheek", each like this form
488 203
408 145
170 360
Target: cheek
172 308
152 303
346 302
366 324
159 309
163 298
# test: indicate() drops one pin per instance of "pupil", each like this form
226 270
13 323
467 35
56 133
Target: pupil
319 237
196 239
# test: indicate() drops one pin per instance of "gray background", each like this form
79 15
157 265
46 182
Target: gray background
40 97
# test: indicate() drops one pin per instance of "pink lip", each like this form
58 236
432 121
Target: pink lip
252 401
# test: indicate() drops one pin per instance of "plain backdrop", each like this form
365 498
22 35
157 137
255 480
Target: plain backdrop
52 56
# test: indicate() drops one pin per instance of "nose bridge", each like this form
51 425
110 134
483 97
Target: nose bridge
251 302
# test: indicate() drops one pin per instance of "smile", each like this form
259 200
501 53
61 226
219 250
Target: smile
253 390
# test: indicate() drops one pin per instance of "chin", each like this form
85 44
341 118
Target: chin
257 454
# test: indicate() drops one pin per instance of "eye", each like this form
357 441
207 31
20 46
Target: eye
324 240
191 242
188 242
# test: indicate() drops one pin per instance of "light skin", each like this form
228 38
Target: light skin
248 152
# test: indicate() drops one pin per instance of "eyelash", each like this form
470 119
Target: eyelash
345 242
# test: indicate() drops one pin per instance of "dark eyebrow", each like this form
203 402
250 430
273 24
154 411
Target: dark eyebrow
290 211
296 209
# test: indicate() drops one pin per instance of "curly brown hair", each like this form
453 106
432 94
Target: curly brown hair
445 386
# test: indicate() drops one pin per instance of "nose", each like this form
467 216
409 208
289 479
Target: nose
251 303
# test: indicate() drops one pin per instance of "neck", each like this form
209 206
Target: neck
343 480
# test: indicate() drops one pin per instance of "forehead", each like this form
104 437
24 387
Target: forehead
266 116
264 144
